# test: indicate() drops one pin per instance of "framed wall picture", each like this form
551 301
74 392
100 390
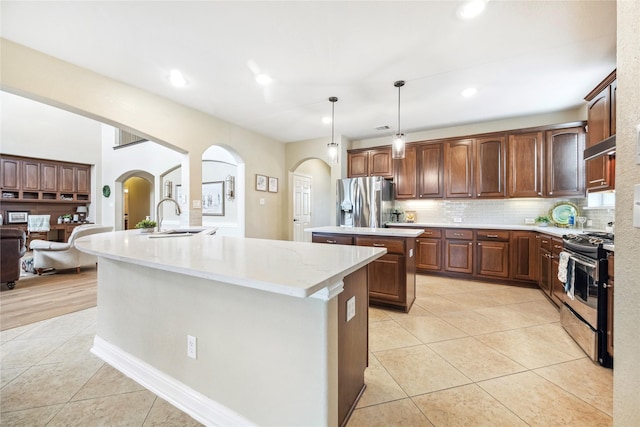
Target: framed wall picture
213 198
273 184
17 217
261 182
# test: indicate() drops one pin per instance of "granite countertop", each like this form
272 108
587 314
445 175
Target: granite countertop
297 269
365 231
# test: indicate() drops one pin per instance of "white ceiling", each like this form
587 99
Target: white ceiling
525 57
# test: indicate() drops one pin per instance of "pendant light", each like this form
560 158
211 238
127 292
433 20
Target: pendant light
333 146
398 145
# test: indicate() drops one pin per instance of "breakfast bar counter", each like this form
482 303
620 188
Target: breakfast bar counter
236 331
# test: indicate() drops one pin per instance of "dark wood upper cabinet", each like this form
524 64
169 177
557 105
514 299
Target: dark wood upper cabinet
83 179
458 168
30 175
564 162
525 165
48 177
67 178
10 174
375 162
491 162
405 171
601 124
430 171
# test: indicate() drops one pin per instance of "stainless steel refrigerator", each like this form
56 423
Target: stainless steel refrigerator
364 202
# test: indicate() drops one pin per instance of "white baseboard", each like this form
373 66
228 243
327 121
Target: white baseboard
193 403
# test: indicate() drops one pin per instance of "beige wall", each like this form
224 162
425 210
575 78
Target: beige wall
49 80
626 405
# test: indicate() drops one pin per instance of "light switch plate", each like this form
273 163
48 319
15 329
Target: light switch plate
262 201
196 204
351 308
638 145
636 206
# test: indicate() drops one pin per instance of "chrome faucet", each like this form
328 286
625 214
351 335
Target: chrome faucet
159 217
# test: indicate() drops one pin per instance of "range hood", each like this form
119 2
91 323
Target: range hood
602 148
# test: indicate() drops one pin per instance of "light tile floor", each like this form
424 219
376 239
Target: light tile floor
468 353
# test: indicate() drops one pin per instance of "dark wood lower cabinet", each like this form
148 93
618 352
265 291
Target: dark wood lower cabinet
458 256
610 291
391 278
493 259
524 256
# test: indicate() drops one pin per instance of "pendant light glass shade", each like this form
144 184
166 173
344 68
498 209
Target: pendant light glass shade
333 146
398 145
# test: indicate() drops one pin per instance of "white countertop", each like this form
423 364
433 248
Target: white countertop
289 268
388 232
554 231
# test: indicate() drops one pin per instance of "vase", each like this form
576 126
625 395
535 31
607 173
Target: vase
146 230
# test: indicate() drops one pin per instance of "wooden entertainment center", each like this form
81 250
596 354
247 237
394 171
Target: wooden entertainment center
43 187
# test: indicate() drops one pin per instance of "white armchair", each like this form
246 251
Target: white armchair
58 255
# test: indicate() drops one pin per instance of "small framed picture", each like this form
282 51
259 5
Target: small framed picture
19 217
261 182
273 184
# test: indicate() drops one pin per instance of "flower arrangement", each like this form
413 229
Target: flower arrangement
543 220
146 224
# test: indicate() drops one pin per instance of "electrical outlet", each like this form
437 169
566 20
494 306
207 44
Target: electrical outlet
529 221
351 308
192 347
262 201
457 219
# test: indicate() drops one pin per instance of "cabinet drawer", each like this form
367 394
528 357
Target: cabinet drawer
556 246
459 234
544 242
434 233
394 246
499 235
333 239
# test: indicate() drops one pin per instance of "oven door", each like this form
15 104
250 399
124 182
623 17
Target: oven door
585 283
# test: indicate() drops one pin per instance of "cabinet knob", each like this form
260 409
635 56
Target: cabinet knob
478 194
604 183
493 236
470 243
539 193
550 193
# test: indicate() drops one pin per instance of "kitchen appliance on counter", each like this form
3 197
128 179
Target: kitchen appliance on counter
584 313
364 202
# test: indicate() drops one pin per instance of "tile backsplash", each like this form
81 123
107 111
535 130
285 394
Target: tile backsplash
496 211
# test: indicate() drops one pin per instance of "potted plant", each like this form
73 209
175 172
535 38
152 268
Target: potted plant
543 220
66 217
146 225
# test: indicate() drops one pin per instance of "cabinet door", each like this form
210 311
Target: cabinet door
610 291
380 163
458 158
429 254
386 279
599 117
358 164
83 179
10 174
524 254
544 275
612 120
490 167
30 175
564 162
458 256
67 178
430 171
48 177
405 175
525 165
600 173
493 259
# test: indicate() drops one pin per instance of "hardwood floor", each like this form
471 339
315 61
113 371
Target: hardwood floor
37 298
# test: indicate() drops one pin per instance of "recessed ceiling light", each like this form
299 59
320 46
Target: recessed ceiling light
326 120
263 79
177 79
469 92
471 9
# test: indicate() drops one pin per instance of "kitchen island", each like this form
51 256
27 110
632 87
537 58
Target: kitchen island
392 278
279 328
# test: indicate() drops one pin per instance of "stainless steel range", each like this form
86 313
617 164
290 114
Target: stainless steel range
584 313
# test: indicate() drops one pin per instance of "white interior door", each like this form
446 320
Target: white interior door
301 207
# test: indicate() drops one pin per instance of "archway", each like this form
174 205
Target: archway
133 199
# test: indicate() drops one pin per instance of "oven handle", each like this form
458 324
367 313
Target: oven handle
582 261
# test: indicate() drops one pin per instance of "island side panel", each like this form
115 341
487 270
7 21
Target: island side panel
271 358
353 343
